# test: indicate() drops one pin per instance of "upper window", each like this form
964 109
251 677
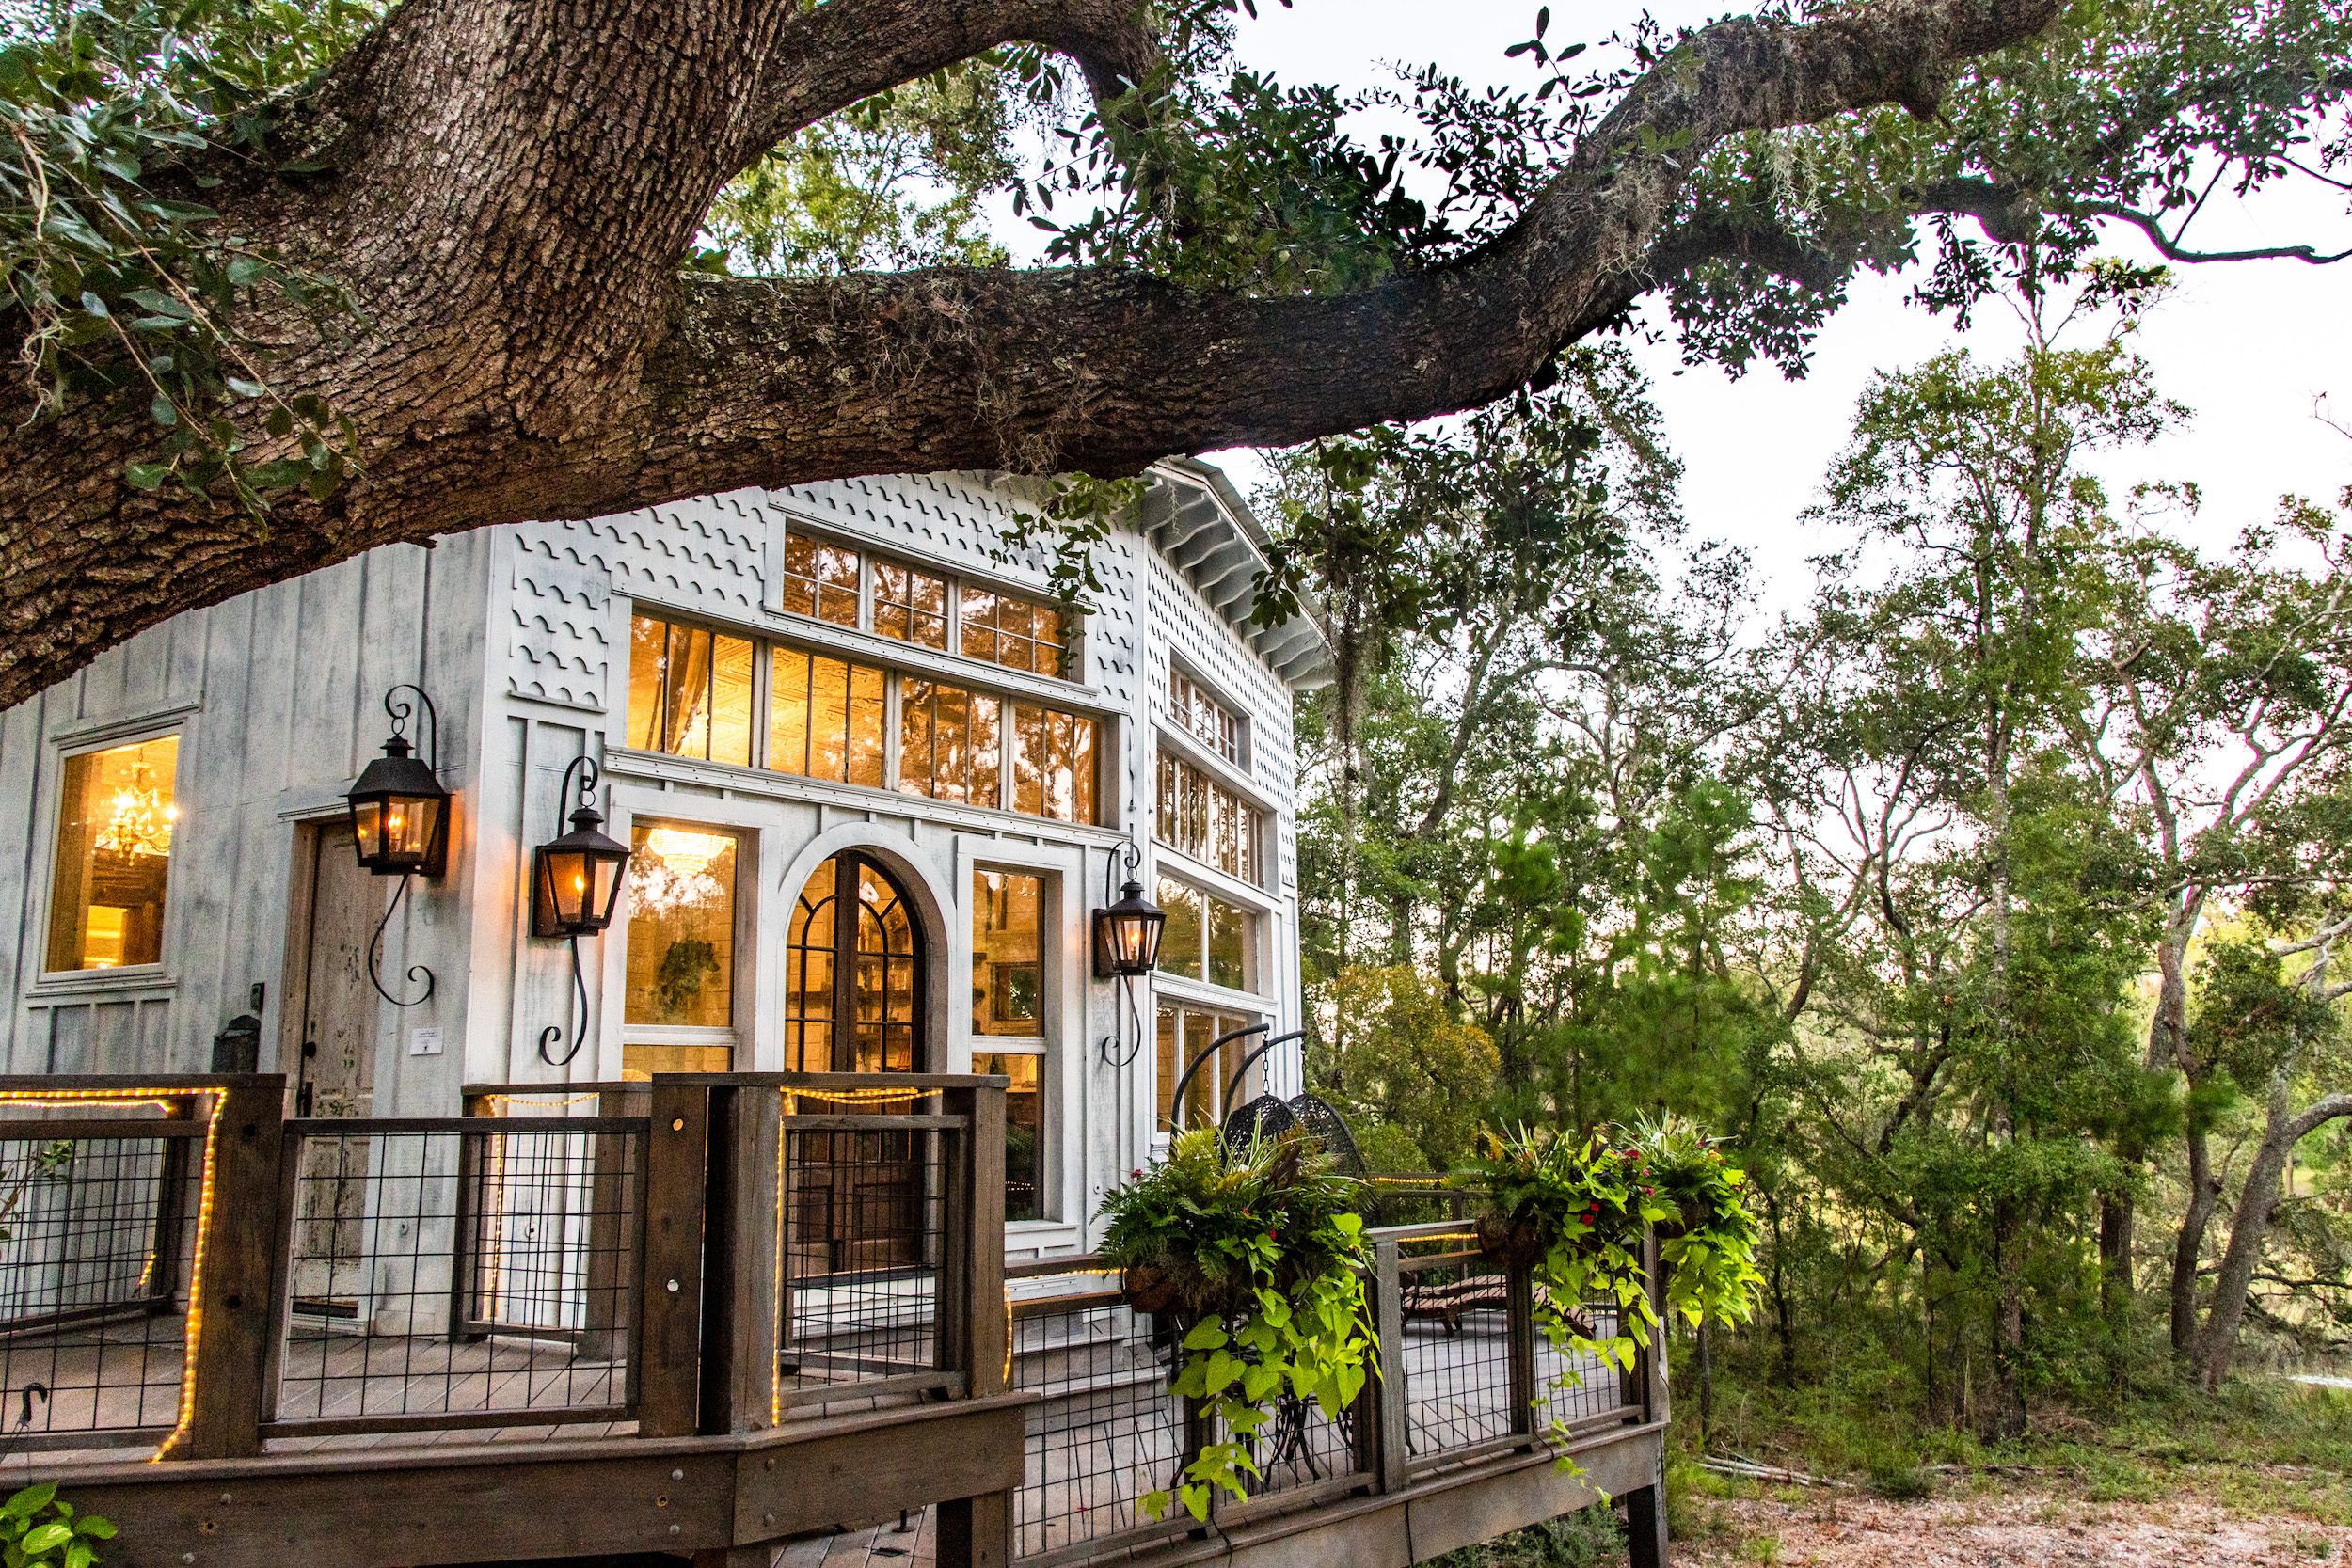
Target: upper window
681 971
912 605
1008 955
1202 716
1202 818
115 824
690 691
1206 938
1021 634
820 579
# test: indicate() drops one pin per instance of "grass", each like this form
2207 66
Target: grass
2262 1445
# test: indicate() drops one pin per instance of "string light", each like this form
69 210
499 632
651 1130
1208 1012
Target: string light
195 1278
536 1103
853 1097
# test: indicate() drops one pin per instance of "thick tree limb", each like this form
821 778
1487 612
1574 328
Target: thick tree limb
513 181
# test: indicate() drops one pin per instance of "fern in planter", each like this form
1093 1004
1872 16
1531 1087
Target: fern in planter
1574 1213
1258 1258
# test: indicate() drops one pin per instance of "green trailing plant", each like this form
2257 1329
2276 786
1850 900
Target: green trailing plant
41 1530
1576 1214
1257 1256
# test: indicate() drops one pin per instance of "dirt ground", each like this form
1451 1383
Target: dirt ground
2008 1529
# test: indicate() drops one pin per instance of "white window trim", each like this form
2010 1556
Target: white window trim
1245 716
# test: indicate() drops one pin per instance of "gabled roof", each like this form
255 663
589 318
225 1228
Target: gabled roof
1199 524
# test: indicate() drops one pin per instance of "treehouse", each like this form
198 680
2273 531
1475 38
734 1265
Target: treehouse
608 1038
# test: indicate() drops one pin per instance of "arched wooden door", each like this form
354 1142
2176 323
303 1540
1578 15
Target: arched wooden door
854 1003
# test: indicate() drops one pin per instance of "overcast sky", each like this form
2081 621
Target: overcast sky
2248 346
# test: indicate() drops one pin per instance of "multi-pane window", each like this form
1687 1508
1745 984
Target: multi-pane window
950 743
115 825
690 691
1052 764
1206 938
825 718
680 970
1016 632
823 580
1187 1035
1008 1018
691 694
1202 818
820 579
911 605
1202 716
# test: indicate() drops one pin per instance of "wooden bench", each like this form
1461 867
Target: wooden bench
1447 1302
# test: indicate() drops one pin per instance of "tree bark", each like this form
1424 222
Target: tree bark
509 186
2282 1129
2188 1245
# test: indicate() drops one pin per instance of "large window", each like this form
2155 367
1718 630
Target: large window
115 824
1206 938
1009 1020
1202 818
824 581
1201 716
690 691
1185 1036
691 694
825 718
679 988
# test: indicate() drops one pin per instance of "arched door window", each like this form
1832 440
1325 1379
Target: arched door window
853 973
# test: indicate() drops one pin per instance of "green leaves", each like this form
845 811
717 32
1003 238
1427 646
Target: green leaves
38 1531
121 291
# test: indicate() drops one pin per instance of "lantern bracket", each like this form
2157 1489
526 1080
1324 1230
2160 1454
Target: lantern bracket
554 1032
402 712
375 958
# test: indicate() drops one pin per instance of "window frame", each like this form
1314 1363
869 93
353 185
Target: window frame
1044 1046
63 751
1256 971
1239 713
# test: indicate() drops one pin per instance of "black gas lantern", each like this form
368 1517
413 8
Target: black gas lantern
1127 946
1127 935
575 881
399 809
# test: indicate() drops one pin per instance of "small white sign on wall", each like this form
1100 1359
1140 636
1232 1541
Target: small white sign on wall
424 1042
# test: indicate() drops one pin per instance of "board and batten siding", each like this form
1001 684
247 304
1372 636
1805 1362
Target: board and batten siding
277 698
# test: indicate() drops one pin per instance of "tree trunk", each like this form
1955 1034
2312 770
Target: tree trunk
2190 1245
2115 1247
2009 1339
2282 1129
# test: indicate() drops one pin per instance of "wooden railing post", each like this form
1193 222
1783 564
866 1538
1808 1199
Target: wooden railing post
742 1235
1519 1316
1387 1443
667 1356
1652 1365
242 1240
972 1320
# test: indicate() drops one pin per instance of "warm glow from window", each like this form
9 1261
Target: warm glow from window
116 823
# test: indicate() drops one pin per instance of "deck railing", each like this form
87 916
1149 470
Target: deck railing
1467 1373
185 1268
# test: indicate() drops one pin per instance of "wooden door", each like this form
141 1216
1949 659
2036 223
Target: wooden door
334 1015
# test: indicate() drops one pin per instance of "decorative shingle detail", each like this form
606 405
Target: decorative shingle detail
556 648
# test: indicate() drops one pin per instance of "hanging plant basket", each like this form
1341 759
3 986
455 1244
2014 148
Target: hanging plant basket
1515 1239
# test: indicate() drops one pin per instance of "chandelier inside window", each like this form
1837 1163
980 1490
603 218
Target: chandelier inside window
142 819
675 870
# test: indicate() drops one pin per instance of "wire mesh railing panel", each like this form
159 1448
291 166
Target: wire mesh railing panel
865 1241
457 1275
1571 1388
96 1234
1105 1430
1300 1447
1457 1354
